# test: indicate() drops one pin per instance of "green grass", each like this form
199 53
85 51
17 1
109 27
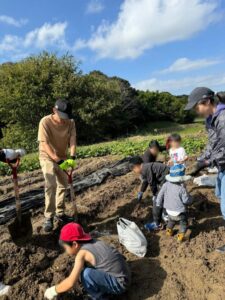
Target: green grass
194 139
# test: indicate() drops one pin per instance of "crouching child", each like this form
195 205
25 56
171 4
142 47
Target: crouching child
174 197
153 175
102 269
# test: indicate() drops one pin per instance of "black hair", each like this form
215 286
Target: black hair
154 144
175 137
134 161
211 99
221 97
70 243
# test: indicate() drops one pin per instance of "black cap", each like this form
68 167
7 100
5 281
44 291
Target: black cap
198 94
64 109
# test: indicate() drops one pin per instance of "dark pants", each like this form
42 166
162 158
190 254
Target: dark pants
99 284
182 219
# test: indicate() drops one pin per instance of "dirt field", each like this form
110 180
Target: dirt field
170 271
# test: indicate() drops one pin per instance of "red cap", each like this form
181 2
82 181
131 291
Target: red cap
73 232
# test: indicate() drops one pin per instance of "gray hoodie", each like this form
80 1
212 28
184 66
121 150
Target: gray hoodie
174 197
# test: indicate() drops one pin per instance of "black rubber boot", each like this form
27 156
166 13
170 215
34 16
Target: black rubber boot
48 225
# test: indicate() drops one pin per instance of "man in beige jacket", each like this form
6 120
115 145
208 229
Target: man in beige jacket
56 134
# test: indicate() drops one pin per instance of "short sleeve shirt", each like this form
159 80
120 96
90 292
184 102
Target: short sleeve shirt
178 154
56 135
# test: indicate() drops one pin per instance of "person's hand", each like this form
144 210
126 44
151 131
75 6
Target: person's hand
67 164
170 163
198 166
60 162
71 163
180 162
139 196
50 293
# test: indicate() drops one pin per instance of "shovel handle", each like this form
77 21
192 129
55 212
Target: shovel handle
14 168
72 194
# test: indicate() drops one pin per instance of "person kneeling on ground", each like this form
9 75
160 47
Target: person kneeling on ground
174 197
152 174
152 152
102 269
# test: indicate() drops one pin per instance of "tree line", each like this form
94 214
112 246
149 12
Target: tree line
104 107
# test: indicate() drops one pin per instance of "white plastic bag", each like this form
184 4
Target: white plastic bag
4 289
132 237
206 180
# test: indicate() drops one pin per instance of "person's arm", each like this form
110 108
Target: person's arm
210 145
160 197
146 157
43 139
144 186
73 142
184 155
186 197
72 279
51 153
218 150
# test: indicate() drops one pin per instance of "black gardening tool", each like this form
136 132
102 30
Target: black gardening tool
72 194
21 227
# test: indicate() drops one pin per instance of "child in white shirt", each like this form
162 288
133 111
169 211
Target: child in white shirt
176 152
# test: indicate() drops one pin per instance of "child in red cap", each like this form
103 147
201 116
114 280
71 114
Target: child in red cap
107 272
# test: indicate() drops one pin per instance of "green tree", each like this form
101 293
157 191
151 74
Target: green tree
28 90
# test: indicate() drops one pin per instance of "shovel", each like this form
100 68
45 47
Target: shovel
21 227
69 173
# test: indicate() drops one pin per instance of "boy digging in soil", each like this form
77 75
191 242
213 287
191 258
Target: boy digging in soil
102 269
174 197
152 174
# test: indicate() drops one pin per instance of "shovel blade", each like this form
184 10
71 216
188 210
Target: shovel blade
21 230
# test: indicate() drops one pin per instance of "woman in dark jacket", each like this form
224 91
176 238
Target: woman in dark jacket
205 103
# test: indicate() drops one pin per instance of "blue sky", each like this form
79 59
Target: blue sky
166 45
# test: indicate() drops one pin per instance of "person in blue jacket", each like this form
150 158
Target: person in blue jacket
212 107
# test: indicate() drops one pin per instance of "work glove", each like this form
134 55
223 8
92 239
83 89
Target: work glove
67 164
139 196
50 293
200 165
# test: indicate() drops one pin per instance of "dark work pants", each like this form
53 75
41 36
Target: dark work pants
182 218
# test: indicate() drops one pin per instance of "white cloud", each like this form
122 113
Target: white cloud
48 34
11 21
39 38
143 24
94 7
182 85
185 64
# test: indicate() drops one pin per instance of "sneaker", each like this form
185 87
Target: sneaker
62 218
169 232
221 249
165 217
152 226
48 225
180 237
